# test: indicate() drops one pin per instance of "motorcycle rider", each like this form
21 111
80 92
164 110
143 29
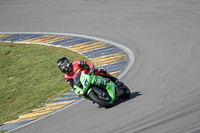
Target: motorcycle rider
70 70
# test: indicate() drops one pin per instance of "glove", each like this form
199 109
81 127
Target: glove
102 70
92 71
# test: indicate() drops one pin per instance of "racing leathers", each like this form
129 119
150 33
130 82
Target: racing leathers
87 67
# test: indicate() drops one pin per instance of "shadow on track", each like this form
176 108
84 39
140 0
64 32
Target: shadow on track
132 96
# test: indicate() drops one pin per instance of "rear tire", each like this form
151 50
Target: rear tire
99 101
127 92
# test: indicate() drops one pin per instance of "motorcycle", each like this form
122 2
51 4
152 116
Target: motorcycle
99 89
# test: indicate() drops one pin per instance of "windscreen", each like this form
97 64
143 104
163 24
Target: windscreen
77 78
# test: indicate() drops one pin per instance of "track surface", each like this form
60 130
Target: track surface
164 36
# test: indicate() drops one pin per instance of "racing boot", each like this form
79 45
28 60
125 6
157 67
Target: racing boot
115 80
119 84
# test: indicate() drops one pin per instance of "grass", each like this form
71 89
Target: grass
29 77
3 131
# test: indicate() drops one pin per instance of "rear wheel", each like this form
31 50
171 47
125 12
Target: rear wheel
94 97
127 92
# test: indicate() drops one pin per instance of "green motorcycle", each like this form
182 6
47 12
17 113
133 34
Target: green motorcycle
99 89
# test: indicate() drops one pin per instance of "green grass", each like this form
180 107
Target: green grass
3 131
29 77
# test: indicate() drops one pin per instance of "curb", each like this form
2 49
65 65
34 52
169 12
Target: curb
114 57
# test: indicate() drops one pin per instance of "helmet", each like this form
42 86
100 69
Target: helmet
64 64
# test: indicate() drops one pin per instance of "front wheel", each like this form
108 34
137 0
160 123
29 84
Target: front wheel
99 101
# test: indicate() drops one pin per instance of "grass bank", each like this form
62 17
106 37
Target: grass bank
29 77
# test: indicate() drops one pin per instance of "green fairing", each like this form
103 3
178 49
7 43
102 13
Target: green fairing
95 80
77 90
111 89
110 85
82 80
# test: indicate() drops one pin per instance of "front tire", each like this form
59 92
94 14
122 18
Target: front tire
99 101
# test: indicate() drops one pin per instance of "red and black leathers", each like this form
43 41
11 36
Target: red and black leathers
78 65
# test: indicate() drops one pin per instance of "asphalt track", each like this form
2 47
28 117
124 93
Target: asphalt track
164 36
